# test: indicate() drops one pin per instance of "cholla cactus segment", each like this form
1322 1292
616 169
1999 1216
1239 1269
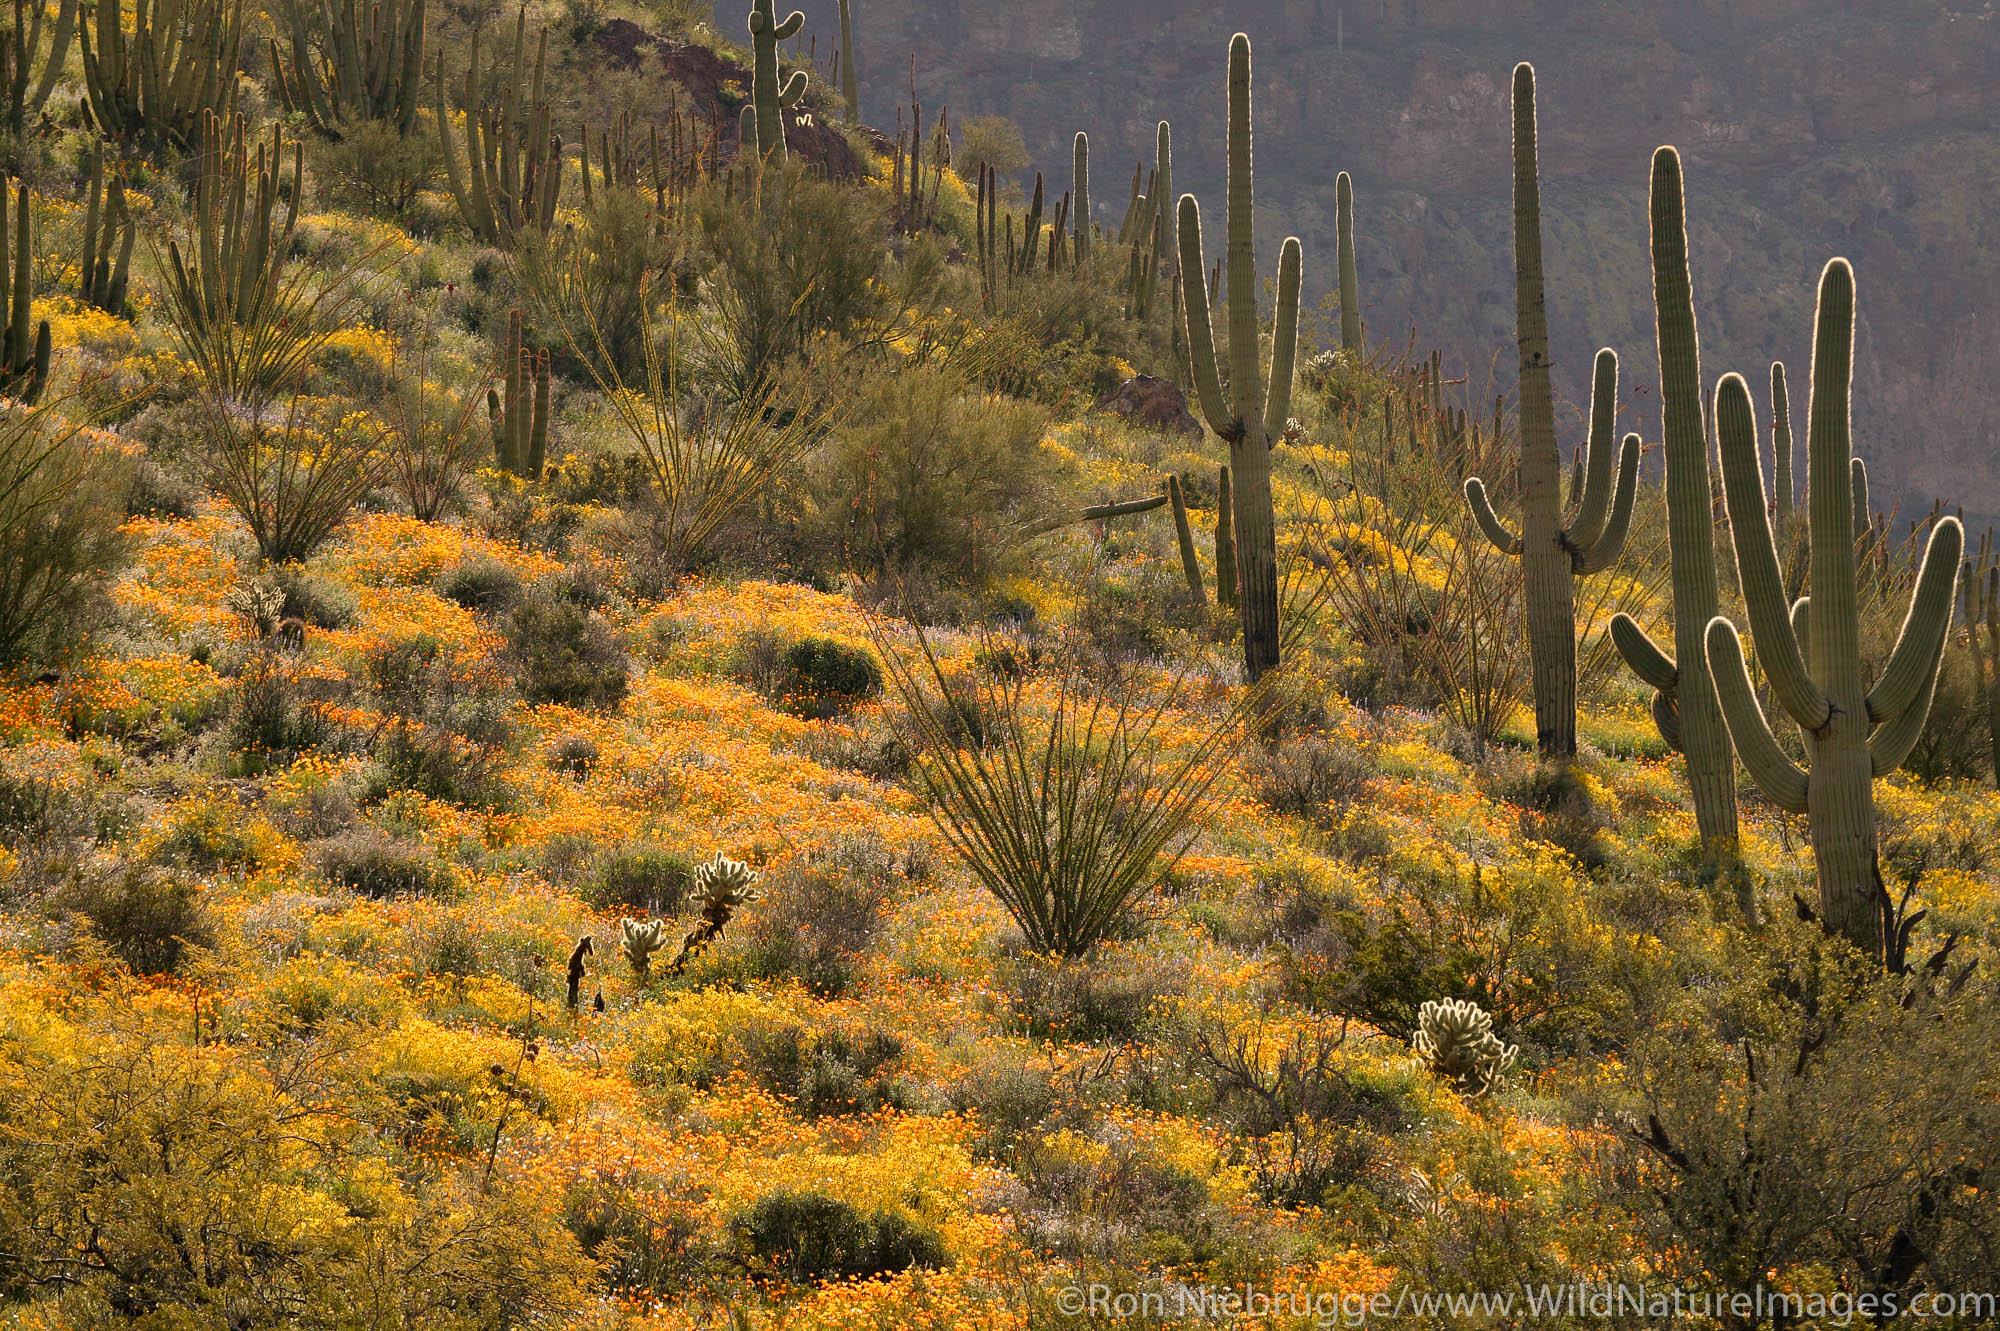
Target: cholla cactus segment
260 604
641 939
1455 1038
723 882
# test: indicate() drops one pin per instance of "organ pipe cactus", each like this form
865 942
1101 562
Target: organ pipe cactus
765 93
107 228
1080 213
520 420
1350 285
849 82
1553 551
350 61
1253 411
30 68
1811 651
25 371
511 172
158 83
1684 704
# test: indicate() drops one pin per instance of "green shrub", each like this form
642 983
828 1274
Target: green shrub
808 1236
824 677
380 867
640 879
1311 777
484 585
61 503
320 602
270 723
574 756
149 918
818 917
564 653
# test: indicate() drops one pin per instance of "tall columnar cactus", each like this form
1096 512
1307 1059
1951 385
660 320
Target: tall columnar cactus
1253 411
1781 442
107 238
511 174
156 84
25 371
849 82
1684 702
28 66
1184 533
766 95
1350 283
1553 552
1225 541
352 61
1811 651
1080 210
1163 193
520 420
1982 623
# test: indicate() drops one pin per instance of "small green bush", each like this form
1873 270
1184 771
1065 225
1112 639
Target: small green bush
483 585
574 756
564 653
824 677
808 1236
379 867
269 723
149 918
643 879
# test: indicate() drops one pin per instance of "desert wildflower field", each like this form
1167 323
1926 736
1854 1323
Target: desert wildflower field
629 703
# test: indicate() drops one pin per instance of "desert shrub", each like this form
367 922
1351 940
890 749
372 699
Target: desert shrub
292 475
1312 776
828 1075
481 584
824 677
378 170
211 836
642 879
435 429
564 653
1106 1195
381 867
575 756
817 917
445 723
271 721
808 1236
929 473
1082 1000
602 282
1810 1114
61 503
149 918
320 602
1558 807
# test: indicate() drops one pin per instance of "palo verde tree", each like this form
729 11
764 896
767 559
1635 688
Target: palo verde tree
1253 411
1810 650
1554 548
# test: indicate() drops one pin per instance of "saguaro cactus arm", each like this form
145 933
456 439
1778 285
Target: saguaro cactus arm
1284 341
1609 546
1505 541
1593 508
1350 286
1644 656
1912 669
1200 325
1775 773
1781 439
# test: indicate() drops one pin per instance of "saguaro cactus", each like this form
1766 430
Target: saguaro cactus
1350 284
25 371
1190 563
157 83
1982 623
1553 552
765 94
849 82
352 61
1781 442
1811 651
520 421
1684 700
1253 411
1225 541
107 226
1080 212
28 69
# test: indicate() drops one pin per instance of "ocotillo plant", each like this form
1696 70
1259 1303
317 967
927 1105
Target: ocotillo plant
352 61
849 81
1350 285
1982 624
1684 703
765 93
107 229
1811 651
1553 552
155 85
1080 210
1253 412
25 371
511 173
520 420
30 68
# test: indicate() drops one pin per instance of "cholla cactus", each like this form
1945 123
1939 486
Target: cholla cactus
1455 1037
260 604
641 939
724 885
1431 1197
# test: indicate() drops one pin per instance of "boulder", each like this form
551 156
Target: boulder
1152 403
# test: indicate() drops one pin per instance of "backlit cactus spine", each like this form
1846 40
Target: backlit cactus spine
1253 412
25 372
766 95
1810 651
1553 552
1684 702
1080 214
1350 283
725 887
1982 623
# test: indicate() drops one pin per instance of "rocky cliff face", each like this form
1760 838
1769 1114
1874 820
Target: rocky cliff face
1810 128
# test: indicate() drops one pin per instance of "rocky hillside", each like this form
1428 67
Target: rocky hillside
1810 128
